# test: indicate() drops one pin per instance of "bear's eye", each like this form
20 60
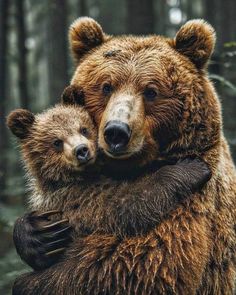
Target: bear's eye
150 94
58 144
84 131
107 89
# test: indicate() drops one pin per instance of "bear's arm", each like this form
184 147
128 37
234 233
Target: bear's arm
140 205
106 261
169 260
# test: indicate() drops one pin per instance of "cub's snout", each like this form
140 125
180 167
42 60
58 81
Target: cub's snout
82 153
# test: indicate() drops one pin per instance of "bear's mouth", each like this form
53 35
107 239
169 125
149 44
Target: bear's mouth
117 154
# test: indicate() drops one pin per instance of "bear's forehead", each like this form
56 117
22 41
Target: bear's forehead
130 56
135 48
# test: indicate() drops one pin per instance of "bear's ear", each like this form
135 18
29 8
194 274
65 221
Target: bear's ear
20 122
84 34
196 40
73 95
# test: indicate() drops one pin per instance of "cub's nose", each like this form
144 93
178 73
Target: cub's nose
117 135
82 153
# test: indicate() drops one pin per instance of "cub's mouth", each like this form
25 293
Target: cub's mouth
89 161
78 166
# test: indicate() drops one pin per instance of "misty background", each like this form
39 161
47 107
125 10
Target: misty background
35 67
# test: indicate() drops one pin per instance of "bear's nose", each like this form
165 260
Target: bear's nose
82 153
117 135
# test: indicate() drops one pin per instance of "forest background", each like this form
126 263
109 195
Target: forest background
35 67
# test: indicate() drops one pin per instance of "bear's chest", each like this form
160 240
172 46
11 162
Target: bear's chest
86 207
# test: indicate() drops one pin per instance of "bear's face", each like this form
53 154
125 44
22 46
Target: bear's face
57 143
146 94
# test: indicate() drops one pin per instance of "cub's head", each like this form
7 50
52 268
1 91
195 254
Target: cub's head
57 143
150 96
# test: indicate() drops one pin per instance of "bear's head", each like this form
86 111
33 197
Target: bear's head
56 144
150 96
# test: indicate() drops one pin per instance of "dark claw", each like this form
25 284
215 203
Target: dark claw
54 252
48 213
57 242
39 240
54 225
59 232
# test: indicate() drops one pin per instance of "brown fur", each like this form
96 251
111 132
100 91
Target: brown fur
193 250
91 200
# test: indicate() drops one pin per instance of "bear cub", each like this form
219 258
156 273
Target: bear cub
59 149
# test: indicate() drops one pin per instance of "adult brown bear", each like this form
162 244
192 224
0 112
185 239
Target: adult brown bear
152 99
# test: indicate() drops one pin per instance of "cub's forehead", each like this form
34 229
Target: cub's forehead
63 118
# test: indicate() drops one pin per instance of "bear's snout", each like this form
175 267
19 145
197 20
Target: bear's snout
117 135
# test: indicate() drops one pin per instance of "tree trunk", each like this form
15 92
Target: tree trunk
83 8
225 22
4 10
189 9
57 48
22 53
228 25
140 17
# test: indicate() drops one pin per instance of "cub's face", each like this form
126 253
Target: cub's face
149 96
56 143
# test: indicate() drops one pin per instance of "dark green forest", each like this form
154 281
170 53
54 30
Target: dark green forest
35 67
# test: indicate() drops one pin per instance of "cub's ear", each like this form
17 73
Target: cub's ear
73 95
20 122
84 34
196 40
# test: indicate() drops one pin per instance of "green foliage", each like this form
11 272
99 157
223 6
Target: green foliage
224 82
11 265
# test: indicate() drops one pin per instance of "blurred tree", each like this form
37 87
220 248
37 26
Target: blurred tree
57 48
4 12
161 14
225 22
111 16
228 21
140 17
22 53
83 7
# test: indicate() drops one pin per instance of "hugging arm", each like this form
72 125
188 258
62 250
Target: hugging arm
162 192
139 206
39 241
103 264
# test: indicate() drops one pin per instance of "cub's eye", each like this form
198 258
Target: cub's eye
58 144
107 89
150 94
84 131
